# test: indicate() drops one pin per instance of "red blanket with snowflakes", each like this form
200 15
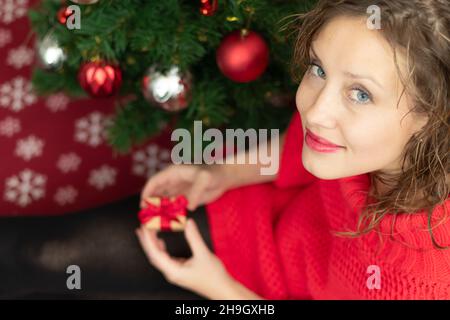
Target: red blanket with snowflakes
53 154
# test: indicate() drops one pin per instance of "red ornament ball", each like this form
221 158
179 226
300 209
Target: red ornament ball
63 14
99 78
242 56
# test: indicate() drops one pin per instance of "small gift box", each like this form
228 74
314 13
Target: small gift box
164 213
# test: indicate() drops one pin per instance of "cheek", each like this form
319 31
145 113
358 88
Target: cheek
378 139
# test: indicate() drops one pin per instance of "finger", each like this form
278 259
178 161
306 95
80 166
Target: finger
197 190
155 185
161 244
156 255
195 239
162 192
144 244
147 191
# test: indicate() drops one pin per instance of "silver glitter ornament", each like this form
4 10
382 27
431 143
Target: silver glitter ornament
84 1
51 54
170 91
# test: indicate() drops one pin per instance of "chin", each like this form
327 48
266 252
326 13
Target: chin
320 169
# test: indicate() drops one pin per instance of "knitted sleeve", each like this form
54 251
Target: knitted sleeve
291 172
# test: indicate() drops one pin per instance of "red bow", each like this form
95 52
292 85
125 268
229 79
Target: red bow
168 209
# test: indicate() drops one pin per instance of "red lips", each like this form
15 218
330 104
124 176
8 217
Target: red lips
320 144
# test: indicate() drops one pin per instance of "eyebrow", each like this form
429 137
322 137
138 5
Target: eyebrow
352 75
360 76
315 54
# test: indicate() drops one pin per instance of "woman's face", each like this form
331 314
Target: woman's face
351 96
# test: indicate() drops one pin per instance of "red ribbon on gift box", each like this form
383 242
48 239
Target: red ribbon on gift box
169 209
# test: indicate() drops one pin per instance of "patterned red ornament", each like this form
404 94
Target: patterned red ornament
243 56
163 213
208 7
99 78
63 14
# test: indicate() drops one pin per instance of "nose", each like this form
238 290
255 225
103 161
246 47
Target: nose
324 108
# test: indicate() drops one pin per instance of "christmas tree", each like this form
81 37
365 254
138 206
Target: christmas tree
226 63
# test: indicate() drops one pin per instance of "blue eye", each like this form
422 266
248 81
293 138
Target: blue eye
317 71
360 96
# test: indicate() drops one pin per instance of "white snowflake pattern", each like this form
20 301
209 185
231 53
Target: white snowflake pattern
11 10
29 147
92 129
24 188
9 127
16 94
57 102
68 162
20 57
5 37
103 177
150 160
65 195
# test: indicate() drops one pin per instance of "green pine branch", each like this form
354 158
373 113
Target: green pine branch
138 34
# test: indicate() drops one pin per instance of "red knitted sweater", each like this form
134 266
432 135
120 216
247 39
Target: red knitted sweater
277 238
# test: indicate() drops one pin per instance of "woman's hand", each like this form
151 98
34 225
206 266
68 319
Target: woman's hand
203 273
200 184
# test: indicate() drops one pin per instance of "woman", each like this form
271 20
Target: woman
359 207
